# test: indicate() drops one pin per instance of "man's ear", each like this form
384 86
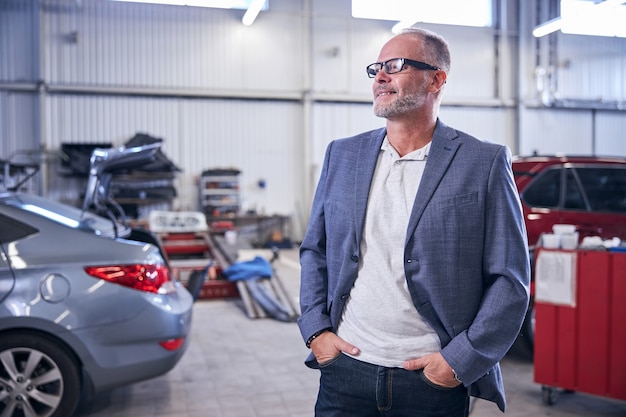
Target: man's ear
439 79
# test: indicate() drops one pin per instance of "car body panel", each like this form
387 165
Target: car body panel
113 330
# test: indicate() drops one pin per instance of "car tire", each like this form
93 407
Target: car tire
38 377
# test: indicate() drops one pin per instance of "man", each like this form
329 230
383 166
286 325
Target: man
415 268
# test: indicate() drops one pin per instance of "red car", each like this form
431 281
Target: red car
588 192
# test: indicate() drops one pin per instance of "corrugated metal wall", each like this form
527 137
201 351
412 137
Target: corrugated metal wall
18 34
592 68
268 98
556 131
17 132
609 128
18 64
574 132
103 43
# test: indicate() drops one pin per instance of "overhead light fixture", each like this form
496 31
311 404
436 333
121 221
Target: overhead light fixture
476 13
547 28
195 3
587 18
253 11
606 3
218 4
403 24
600 19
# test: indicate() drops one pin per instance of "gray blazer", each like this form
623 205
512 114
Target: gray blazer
466 254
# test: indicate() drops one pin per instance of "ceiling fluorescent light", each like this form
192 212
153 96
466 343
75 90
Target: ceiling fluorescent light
587 18
166 2
219 4
609 3
252 12
595 19
476 13
404 24
547 27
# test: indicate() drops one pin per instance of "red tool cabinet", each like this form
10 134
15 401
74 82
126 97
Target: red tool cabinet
581 346
191 252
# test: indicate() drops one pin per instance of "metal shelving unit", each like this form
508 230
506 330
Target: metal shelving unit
219 192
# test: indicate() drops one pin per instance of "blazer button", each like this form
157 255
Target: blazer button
354 258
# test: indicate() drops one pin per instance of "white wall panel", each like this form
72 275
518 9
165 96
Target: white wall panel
609 134
573 132
592 68
17 134
491 124
473 62
547 132
89 119
332 121
106 43
18 33
332 68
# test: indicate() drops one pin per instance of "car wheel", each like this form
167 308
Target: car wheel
38 377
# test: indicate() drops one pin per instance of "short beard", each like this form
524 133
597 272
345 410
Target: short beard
400 106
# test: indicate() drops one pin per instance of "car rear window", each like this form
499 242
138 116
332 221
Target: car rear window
605 188
591 188
545 191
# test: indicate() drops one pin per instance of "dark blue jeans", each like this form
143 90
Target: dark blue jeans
351 388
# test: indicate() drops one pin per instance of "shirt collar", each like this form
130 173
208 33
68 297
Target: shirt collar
416 155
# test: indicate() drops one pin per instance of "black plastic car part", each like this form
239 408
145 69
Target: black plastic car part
13 229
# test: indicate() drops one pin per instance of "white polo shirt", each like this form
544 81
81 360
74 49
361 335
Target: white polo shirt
379 317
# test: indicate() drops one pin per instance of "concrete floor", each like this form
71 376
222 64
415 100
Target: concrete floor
241 367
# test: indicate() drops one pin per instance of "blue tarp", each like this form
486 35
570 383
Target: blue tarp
255 268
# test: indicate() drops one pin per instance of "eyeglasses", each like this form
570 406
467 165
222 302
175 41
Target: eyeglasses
394 65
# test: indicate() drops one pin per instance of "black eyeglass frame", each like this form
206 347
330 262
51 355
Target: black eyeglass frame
405 61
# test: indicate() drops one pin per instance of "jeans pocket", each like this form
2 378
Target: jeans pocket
329 362
432 384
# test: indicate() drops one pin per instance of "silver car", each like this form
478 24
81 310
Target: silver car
84 307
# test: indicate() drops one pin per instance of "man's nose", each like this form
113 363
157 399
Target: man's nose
381 76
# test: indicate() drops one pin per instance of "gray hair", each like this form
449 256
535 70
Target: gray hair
435 47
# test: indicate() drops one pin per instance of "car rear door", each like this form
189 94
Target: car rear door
541 200
601 191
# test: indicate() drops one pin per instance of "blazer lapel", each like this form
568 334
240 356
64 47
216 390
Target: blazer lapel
442 151
366 164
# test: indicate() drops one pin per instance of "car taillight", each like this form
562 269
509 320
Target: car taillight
149 278
172 344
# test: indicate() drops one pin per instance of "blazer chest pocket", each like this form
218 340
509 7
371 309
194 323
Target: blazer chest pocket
457 200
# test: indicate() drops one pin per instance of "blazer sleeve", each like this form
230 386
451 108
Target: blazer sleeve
314 272
506 277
